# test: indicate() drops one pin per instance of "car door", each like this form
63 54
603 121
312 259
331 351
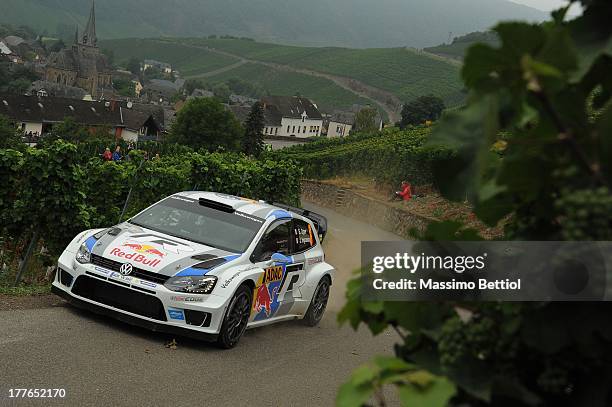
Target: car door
274 291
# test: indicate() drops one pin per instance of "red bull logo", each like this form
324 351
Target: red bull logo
142 253
144 248
263 297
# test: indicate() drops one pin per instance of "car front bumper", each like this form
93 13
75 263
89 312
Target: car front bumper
138 302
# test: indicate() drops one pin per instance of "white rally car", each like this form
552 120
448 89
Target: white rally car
202 264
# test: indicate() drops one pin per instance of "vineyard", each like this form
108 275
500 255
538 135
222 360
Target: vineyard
404 72
53 193
389 156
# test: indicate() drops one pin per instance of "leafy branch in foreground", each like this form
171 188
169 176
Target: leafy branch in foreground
533 147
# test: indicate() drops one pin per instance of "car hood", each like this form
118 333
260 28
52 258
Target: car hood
153 251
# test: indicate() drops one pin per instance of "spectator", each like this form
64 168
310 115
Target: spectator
405 194
107 155
156 157
117 154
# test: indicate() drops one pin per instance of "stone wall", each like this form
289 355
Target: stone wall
351 203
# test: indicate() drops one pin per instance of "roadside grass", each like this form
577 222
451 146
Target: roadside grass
24 290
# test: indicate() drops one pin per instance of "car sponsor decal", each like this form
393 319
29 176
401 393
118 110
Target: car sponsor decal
315 260
136 257
101 270
181 298
279 214
177 314
265 298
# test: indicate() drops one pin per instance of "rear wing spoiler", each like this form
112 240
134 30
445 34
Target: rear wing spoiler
319 221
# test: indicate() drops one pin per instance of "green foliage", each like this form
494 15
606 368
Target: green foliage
253 143
9 137
365 120
15 79
389 156
55 191
125 87
459 46
68 130
205 123
533 148
422 109
133 65
400 71
416 387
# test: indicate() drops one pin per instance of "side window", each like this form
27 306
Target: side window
302 236
275 240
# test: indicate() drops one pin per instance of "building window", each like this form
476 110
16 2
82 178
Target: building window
299 129
276 131
304 129
288 127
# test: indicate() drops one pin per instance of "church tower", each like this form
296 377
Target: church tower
89 34
83 65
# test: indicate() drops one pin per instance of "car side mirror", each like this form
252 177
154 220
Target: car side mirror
280 258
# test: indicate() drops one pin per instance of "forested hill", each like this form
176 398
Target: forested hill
352 23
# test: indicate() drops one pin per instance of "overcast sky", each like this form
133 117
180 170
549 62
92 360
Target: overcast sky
546 5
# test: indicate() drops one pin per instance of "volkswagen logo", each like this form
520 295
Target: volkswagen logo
125 269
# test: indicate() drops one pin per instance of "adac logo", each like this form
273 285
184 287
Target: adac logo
263 297
145 249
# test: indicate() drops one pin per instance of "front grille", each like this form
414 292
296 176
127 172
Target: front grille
136 272
119 297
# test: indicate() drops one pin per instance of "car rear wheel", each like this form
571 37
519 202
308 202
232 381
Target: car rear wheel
318 303
236 318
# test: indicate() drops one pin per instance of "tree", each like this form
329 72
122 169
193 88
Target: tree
253 143
533 147
205 123
222 92
124 87
68 130
422 109
9 137
365 120
133 65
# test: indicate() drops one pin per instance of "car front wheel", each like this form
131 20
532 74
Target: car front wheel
318 303
236 318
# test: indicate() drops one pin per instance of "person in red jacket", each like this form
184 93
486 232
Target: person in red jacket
405 194
107 156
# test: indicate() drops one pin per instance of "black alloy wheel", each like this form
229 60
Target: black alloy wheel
236 318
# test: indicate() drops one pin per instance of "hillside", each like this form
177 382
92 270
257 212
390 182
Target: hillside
459 46
352 23
387 75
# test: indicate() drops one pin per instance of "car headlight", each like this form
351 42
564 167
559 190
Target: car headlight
192 284
83 255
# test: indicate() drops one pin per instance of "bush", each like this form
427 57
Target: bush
389 156
53 191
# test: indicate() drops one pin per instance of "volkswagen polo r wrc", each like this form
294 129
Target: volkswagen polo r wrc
202 264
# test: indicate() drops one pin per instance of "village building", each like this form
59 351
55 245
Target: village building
37 115
291 116
162 66
340 124
83 65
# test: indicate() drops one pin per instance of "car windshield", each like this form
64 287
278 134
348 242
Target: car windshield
187 219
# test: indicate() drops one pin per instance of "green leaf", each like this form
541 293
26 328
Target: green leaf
436 394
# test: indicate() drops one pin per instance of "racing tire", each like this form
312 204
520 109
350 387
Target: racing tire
318 303
236 318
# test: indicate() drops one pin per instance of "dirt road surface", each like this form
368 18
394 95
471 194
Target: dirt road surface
102 362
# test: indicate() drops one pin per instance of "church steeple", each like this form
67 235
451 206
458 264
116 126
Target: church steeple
89 35
76 35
